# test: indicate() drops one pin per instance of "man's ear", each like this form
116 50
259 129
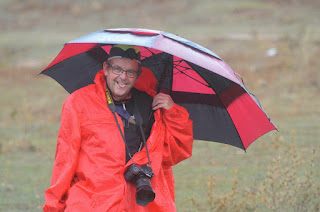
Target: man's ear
105 67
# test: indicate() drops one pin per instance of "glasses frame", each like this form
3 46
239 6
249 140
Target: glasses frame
119 71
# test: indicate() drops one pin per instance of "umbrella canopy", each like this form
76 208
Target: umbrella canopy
222 109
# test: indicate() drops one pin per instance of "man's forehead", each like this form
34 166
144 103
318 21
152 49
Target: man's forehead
125 63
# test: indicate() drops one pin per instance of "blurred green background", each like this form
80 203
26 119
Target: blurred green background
273 44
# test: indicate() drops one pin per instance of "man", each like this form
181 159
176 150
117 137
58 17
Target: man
92 156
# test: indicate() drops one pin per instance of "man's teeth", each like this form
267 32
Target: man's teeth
122 85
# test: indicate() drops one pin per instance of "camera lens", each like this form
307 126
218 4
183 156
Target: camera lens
145 193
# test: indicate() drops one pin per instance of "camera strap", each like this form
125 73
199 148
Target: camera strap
138 121
112 107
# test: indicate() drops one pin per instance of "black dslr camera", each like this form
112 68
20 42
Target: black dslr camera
141 176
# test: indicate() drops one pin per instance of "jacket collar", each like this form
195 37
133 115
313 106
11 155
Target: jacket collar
100 80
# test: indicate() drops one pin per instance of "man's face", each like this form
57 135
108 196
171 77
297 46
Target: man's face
120 85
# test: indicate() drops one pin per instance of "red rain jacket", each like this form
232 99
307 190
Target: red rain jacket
90 156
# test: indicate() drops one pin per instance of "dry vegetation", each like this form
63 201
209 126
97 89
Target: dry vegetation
289 185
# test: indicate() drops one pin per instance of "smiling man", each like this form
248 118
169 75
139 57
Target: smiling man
121 75
101 162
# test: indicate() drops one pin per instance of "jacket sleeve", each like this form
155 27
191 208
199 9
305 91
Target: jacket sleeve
178 136
66 159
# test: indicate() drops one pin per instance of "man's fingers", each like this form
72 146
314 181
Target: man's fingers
157 100
158 106
162 100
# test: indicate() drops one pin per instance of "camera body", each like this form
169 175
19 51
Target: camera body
141 176
135 171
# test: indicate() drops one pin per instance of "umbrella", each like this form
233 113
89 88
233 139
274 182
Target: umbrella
220 106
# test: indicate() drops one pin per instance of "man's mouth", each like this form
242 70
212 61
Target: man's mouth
122 85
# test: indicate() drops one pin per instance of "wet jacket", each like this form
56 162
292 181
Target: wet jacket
90 156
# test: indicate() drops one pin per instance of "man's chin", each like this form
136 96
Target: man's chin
120 96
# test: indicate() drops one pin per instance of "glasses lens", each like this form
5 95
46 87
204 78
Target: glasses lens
119 71
131 73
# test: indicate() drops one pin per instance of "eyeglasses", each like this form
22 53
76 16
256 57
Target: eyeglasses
118 71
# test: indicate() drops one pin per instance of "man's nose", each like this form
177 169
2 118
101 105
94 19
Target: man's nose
123 75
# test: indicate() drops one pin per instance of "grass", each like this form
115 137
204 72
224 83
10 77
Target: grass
287 182
238 31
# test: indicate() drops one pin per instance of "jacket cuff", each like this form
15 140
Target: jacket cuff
176 112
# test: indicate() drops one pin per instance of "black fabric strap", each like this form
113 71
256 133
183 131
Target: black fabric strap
138 120
112 107
115 118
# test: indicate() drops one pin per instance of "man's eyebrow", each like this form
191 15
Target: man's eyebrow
117 66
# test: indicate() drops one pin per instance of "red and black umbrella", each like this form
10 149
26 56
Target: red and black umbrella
221 108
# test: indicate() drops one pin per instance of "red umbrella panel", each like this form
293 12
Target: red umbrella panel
220 106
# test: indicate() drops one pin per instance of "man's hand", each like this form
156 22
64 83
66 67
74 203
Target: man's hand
162 100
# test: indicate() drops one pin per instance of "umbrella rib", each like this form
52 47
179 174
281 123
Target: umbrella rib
153 54
177 65
157 64
186 68
194 79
